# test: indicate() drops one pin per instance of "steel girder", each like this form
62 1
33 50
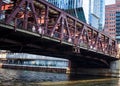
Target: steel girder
43 18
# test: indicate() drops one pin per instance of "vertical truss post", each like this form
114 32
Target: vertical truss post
100 43
46 18
116 48
62 28
34 13
1 3
79 38
99 47
26 16
68 29
87 38
92 38
104 45
74 35
96 41
108 47
58 20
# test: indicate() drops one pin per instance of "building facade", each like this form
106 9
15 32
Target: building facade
112 19
102 15
66 4
118 26
117 1
118 21
95 13
63 4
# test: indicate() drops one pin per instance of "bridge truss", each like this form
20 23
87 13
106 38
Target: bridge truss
39 16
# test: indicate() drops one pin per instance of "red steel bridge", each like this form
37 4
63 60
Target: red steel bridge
37 27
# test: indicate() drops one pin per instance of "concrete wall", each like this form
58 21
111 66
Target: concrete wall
115 68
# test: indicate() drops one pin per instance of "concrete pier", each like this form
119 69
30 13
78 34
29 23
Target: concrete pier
113 71
115 68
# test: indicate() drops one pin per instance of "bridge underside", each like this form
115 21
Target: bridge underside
24 41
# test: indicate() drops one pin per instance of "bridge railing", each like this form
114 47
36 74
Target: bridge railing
41 17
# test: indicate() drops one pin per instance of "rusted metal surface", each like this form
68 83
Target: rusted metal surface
40 17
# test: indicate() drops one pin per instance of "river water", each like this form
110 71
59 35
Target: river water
9 77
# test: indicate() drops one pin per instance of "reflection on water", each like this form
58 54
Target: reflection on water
10 77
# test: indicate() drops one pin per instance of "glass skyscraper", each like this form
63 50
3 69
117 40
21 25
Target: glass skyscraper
74 4
95 13
102 15
118 26
66 4
63 4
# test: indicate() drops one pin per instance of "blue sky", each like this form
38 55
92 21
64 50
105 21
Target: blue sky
109 2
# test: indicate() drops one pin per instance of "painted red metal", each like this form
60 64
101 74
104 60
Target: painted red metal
43 18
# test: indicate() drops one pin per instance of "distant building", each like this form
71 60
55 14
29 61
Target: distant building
63 4
118 26
91 13
117 1
95 13
66 4
112 20
102 15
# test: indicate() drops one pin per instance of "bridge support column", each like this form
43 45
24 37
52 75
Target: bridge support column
112 71
115 68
